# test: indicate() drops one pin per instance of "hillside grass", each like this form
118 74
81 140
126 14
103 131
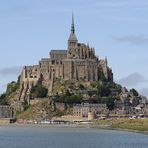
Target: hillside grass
126 124
36 111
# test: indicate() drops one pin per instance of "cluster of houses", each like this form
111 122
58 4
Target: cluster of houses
127 105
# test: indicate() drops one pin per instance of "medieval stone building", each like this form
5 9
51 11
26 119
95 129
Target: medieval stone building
77 62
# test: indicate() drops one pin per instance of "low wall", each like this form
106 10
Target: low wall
70 118
37 100
5 121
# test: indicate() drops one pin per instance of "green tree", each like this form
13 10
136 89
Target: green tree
81 87
103 90
67 93
73 99
94 84
102 77
114 85
25 105
12 87
3 100
39 91
110 103
135 93
93 99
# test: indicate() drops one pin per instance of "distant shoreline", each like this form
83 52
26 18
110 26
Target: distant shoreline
103 127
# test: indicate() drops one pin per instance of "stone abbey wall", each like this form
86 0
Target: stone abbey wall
78 62
5 111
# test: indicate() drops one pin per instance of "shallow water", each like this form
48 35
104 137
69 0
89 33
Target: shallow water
49 137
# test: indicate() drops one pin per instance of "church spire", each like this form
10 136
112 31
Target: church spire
72 36
72 25
72 42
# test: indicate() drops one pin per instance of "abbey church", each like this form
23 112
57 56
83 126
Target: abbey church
77 62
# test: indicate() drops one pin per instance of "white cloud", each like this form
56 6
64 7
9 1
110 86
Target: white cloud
10 71
2 88
137 40
144 92
132 80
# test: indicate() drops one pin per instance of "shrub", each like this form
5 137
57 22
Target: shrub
25 105
103 91
12 87
81 87
39 91
73 99
135 93
102 77
3 100
94 84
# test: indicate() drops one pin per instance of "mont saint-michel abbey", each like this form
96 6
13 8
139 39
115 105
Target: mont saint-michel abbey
77 62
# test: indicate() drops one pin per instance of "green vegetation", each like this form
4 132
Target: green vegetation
81 87
12 87
10 91
94 84
68 98
25 105
135 93
39 91
41 110
137 127
132 124
73 99
103 91
3 100
109 101
126 124
114 85
102 77
71 92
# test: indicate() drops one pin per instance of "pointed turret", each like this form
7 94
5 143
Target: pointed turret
72 41
72 25
72 36
106 61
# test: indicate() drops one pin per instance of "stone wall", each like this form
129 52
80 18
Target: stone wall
5 121
78 62
5 111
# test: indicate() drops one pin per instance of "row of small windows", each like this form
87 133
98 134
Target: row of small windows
58 56
56 62
31 70
33 76
44 65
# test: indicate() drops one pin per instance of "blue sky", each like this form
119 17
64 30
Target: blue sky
117 29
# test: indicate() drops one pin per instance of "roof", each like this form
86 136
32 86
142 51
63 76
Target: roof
58 51
72 37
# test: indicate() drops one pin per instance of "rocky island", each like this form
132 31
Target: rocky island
72 84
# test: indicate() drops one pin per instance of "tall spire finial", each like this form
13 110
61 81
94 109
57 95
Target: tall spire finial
72 25
106 60
72 18
72 36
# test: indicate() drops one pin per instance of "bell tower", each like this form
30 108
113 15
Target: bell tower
72 41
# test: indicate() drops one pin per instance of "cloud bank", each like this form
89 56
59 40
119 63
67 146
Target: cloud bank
137 40
10 71
2 88
133 79
144 92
